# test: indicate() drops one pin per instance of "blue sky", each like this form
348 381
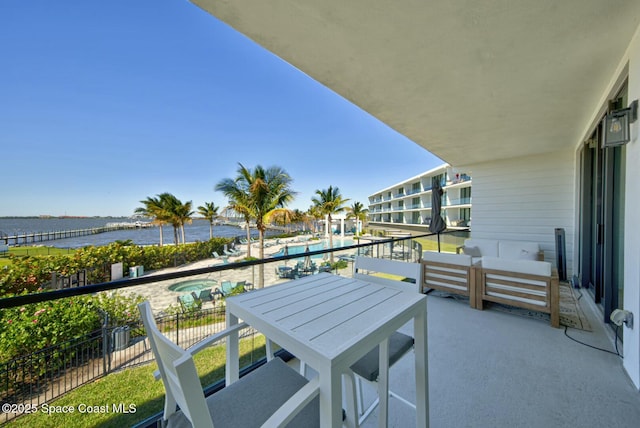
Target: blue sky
106 103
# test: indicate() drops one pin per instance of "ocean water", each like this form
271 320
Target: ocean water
198 230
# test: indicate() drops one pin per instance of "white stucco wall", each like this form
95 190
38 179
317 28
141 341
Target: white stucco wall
629 67
631 301
525 199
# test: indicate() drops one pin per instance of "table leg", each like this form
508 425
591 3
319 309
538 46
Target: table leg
383 384
330 397
422 370
350 393
232 372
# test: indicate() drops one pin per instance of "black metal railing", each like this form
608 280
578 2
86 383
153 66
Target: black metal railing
49 373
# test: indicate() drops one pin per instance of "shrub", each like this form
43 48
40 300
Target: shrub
33 273
60 325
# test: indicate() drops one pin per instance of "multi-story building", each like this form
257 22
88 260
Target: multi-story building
407 205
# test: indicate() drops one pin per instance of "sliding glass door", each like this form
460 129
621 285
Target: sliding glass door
601 227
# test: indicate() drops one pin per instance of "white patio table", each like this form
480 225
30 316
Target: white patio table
330 322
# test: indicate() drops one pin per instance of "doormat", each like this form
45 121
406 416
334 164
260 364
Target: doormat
571 314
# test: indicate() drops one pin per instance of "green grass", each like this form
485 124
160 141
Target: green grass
33 251
136 387
432 245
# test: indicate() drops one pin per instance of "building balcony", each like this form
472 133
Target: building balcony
457 201
493 368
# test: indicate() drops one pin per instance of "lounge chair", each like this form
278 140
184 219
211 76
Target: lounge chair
347 257
227 288
189 303
284 394
233 253
224 259
242 284
204 295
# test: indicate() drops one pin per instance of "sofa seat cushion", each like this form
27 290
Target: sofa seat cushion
518 250
529 267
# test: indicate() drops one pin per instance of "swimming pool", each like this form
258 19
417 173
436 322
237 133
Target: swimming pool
313 246
193 285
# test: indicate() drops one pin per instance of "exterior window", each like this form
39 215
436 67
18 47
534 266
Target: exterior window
465 214
465 195
415 203
415 187
415 217
441 179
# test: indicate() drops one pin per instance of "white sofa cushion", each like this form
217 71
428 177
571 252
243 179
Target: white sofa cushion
518 250
530 267
449 258
487 247
471 251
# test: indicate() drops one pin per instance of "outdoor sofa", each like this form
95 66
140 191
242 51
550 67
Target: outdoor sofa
527 284
519 278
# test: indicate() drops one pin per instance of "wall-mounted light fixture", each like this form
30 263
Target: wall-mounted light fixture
617 125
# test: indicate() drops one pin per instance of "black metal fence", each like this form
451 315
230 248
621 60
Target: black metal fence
44 375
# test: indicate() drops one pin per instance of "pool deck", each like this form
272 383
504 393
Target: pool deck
161 298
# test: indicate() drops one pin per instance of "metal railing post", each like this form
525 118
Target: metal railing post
106 345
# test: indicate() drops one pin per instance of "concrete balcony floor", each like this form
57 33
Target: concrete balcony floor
494 369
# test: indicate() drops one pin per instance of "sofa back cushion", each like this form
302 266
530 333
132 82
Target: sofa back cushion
449 258
518 250
487 247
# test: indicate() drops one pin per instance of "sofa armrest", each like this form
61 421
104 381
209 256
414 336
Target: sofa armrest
452 273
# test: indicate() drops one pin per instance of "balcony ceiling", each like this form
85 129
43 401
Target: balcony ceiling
469 81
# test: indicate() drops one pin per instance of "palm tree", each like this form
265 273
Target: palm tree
359 212
210 212
260 193
238 202
153 209
183 213
165 208
302 218
284 217
329 202
315 213
175 213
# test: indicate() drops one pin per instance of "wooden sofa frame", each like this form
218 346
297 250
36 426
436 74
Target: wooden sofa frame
481 284
534 292
451 278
